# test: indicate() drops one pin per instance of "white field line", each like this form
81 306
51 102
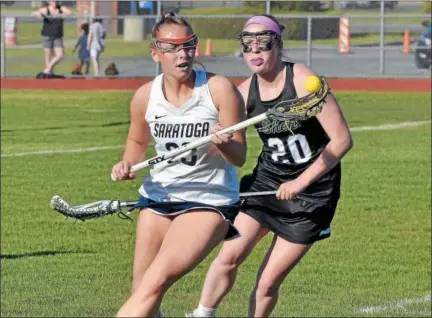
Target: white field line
399 304
92 149
392 126
50 152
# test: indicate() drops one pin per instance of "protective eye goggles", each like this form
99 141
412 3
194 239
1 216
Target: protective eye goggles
168 45
263 39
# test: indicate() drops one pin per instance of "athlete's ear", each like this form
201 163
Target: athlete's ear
154 55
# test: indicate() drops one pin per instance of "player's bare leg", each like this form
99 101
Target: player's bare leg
281 258
223 270
151 230
184 235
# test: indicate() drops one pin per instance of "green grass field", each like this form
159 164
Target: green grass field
379 253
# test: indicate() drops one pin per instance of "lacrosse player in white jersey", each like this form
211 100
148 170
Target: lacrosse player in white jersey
187 204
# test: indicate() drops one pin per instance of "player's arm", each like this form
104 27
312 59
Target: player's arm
41 13
138 136
65 10
333 123
230 104
77 44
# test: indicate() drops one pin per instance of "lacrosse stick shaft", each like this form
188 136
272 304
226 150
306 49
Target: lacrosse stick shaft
197 143
241 195
128 204
253 194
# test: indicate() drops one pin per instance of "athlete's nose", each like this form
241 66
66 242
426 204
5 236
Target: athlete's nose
255 47
183 52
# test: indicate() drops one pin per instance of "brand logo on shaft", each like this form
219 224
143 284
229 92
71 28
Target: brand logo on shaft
156 160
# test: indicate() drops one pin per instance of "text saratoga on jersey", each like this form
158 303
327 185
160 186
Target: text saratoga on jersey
162 130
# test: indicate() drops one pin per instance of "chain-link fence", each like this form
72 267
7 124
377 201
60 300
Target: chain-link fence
326 35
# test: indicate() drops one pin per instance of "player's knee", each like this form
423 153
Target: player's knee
156 286
267 287
135 283
229 261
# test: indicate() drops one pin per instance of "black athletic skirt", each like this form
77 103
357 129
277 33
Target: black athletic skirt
300 221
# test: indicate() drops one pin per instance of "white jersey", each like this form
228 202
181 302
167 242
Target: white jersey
203 175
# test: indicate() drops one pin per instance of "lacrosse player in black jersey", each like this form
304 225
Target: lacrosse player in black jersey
299 159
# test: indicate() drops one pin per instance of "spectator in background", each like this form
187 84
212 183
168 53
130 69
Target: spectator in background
95 43
52 32
83 53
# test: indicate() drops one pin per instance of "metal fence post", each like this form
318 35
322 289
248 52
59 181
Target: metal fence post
309 41
92 9
268 6
159 12
381 56
3 49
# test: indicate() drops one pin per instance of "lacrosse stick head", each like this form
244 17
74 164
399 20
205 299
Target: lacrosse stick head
87 211
290 113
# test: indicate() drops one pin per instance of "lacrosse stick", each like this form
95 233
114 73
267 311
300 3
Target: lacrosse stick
102 208
291 110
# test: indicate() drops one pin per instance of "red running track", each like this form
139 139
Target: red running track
337 84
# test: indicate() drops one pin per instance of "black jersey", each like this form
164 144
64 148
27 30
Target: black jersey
288 150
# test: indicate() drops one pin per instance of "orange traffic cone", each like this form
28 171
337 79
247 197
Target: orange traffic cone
10 32
406 49
197 50
344 36
208 51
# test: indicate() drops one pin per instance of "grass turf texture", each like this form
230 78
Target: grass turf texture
379 251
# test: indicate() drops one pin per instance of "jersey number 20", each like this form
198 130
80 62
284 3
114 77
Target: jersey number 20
189 160
296 145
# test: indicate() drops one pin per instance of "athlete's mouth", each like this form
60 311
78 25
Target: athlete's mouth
183 65
257 61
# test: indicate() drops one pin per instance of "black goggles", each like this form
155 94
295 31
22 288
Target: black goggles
263 39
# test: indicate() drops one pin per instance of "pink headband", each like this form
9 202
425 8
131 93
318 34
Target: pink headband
267 22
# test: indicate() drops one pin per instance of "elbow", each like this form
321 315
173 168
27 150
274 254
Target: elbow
349 142
241 160
346 144
341 146
238 163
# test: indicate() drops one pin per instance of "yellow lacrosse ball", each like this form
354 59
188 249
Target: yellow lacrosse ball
312 84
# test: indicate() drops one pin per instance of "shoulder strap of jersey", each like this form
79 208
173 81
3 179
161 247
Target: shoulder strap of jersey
289 88
201 87
156 91
253 94
201 78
